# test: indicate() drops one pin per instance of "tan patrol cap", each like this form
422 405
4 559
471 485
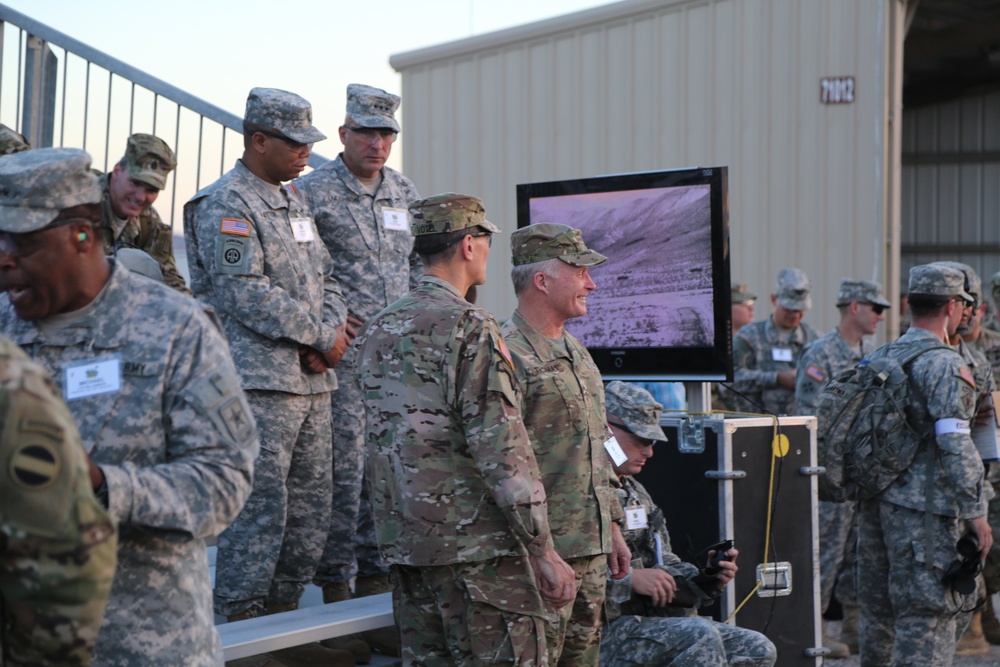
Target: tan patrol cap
149 159
549 240
449 212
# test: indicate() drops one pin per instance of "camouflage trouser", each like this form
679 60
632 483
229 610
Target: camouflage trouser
271 550
837 552
691 641
908 616
351 548
991 570
470 614
575 639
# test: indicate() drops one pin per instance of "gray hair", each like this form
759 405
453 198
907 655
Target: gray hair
521 275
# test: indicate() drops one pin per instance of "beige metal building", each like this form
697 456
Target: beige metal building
799 98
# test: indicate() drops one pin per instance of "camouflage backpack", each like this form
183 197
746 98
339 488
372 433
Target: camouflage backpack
866 437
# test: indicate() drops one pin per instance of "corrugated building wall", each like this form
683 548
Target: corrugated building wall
645 85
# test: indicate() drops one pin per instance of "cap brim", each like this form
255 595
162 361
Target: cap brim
490 227
22 220
588 258
648 432
376 122
881 302
795 304
151 178
309 135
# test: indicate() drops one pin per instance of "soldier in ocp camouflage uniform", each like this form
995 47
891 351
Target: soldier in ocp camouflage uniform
861 307
563 409
652 613
460 510
765 353
154 392
129 191
360 207
256 257
907 534
57 543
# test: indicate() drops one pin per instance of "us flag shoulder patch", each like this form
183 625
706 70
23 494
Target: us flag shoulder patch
235 226
816 373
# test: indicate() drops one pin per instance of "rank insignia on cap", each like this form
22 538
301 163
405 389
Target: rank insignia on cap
34 466
234 226
967 376
815 373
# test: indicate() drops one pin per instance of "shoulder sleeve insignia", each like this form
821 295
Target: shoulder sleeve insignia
34 466
816 373
504 350
966 375
235 226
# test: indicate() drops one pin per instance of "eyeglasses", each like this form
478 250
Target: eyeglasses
373 134
20 245
295 146
876 308
488 235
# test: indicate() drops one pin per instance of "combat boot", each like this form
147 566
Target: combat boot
383 640
849 628
837 649
308 655
973 642
991 626
338 591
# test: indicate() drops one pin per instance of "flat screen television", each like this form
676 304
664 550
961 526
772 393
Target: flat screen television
661 310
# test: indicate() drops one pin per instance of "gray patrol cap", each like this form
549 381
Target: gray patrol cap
449 212
793 289
36 185
973 285
11 141
636 408
285 112
741 293
372 107
937 280
860 290
549 240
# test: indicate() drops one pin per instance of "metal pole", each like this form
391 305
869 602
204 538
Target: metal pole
86 106
107 125
62 113
201 128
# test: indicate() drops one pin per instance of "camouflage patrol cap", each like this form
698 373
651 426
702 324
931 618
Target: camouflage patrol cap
449 212
548 240
793 289
36 185
741 293
635 408
937 280
149 159
285 112
973 285
12 142
860 290
372 107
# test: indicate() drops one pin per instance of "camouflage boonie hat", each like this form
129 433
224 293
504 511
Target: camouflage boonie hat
36 185
740 293
449 212
973 285
150 160
548 240
636 408
372 107
285 112
860 290
793 289
12 142
936 280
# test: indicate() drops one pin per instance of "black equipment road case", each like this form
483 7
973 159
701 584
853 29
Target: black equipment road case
713 480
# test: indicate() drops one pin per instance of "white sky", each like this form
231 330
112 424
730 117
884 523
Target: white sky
219 49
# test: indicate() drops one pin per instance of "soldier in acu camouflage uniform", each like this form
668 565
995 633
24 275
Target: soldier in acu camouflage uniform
992 322
765 353
861 307
360 209
57 543
460 510
563 409
652 613
907 534
152 387
127 212
256 257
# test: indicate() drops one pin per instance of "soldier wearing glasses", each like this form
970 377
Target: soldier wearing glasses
256 257
861 307
360 208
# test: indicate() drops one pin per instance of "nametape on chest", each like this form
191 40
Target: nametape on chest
235 227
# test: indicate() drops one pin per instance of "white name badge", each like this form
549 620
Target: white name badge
302 229
615 450
91 377
781 354
635 518
395 219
